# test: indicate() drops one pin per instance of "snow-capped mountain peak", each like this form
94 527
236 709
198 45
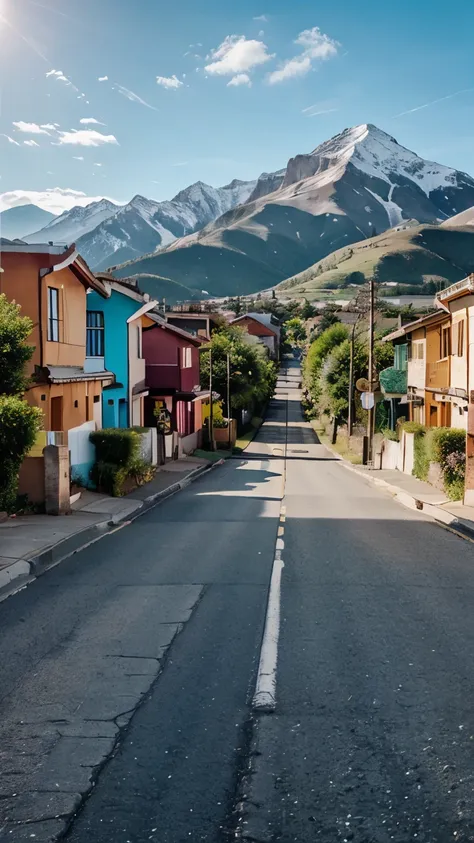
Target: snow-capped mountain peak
373 152
70 225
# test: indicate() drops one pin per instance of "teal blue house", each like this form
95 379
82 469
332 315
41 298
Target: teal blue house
114 344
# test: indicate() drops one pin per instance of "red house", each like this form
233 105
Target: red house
172 378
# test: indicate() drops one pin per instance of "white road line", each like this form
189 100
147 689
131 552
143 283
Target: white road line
265 692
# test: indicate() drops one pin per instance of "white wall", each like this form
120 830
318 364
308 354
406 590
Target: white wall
417 366
81 450
390 453
136 362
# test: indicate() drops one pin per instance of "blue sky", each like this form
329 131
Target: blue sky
299 72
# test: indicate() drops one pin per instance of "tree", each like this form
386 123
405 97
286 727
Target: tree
329 317
14 350
317 354
252 374
308 311
19 422
295 331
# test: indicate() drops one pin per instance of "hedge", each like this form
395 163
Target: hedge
111 478
19 424
117 446
118 460
443 445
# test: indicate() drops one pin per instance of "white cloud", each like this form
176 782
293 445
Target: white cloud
103 79
30 128
97 165
86 121
236 55
263 18
316 44
131 96
299 66
311 113
261 33
316 47
86 137
50 126
30 143
11 140
180 164
78 157
240 79
60 77
55 199
169 82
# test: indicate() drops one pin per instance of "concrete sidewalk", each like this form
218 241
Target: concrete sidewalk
30 544
416 494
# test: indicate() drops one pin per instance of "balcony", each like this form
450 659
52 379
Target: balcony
438 374
393 381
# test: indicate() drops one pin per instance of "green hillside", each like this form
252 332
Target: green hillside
413 256
165 288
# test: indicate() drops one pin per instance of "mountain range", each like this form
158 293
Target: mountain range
106 233
356 185
251 235
20 220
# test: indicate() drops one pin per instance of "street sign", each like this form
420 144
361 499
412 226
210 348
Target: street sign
368 400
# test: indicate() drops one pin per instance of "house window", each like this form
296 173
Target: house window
458 338
445 341
418 351
53 314
401 357
95 333
186 358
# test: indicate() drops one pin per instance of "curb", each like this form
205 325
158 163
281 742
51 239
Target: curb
23 571
445 519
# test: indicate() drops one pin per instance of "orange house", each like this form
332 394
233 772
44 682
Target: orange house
50 283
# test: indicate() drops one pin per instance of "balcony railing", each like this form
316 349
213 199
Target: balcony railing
437 374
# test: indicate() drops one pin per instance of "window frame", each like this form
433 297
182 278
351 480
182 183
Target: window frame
445 342
460 339
53 320
96 331
186 357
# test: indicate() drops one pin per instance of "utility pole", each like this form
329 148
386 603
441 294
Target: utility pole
229 428
211 408
371 411
351 384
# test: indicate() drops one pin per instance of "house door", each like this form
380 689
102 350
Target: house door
433 415
57 413
445 414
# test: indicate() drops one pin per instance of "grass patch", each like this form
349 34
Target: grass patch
246 438
341 447
212 456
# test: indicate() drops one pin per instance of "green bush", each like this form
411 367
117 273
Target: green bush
116 446
392 435
448 448
421 458
111 478
443 445
19 424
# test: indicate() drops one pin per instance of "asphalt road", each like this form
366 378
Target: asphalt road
131 667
